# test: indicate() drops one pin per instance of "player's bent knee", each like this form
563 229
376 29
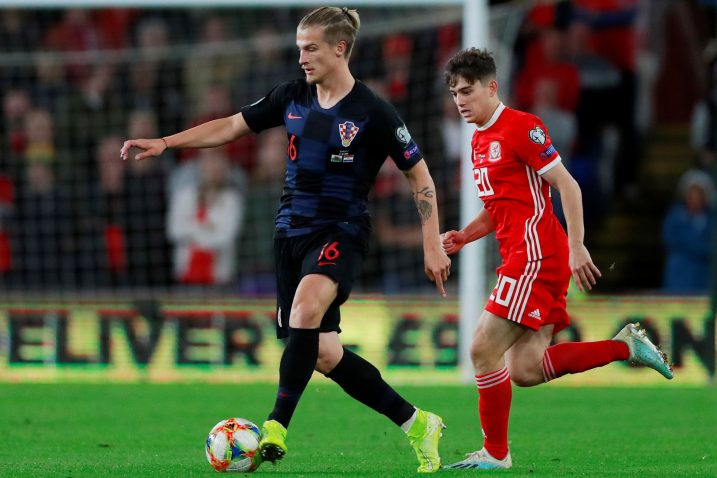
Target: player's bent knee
476 354
483 357
523 381
484 362
325 365
305 315
327 360
524 378
479 345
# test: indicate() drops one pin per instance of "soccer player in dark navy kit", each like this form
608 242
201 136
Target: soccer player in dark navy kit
339 135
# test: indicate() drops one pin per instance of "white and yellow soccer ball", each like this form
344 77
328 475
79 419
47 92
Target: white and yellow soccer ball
233 445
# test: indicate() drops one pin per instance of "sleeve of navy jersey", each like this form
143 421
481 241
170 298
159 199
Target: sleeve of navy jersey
268 112
395 137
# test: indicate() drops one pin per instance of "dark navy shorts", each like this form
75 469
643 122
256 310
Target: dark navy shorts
330 252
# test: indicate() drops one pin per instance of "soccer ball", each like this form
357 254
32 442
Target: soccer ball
233 445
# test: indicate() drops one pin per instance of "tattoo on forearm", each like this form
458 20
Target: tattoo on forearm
427 192
425 208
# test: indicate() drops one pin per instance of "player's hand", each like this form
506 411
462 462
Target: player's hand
453 241
585 273
149 147
437 267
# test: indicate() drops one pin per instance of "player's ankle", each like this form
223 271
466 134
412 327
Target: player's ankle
499 453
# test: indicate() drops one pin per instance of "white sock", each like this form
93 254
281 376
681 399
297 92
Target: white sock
407 424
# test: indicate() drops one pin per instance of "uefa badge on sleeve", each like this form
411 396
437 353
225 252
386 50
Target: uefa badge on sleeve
537 135
403 135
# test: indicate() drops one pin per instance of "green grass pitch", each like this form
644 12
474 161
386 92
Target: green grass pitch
84 430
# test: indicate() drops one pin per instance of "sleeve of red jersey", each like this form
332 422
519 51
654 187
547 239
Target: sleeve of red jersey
534 146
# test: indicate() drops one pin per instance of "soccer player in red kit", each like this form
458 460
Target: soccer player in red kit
514 166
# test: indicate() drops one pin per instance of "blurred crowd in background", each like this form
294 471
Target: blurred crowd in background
77 82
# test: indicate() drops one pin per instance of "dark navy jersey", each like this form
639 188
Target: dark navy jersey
333 154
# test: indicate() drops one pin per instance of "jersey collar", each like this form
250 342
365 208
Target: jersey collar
493 119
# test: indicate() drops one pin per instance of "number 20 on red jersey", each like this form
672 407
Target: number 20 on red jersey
482 182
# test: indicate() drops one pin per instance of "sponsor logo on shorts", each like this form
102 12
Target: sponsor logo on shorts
535 314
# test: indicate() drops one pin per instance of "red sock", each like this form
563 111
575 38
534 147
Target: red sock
576 357
494 395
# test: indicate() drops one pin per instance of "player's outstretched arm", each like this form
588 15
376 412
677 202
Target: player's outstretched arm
437 265
481 226
206 135
585 273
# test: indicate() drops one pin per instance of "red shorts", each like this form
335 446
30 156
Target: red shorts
532 293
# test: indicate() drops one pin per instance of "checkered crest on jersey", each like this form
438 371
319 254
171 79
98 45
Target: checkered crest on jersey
348 132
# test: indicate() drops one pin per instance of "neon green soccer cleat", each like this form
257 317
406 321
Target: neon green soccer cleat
273 441
642 351
424 436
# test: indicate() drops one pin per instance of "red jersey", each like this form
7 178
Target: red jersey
510 153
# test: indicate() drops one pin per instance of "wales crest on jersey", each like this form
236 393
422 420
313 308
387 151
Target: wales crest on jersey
347 132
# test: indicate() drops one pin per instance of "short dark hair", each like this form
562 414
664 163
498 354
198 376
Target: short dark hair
472 64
